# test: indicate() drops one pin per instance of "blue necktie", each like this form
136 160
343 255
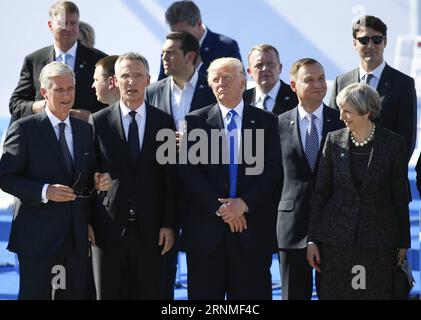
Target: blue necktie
133 137
265 101
312 141
233 167
64 148
65 58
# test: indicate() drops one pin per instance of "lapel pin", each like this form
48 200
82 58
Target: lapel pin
328 120
342 155
286 98
292 122
86 153
201 86
206 48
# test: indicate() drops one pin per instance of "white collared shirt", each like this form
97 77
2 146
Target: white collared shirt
304 123
239 108
272 94
68 133
181 99
126 118
71 58
377 73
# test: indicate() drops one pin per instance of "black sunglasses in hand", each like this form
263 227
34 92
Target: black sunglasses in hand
375 39
85 193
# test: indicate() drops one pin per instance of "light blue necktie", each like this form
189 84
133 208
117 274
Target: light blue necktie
65 57
233 167
312 141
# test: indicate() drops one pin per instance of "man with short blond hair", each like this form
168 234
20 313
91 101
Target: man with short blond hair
229 227
64 25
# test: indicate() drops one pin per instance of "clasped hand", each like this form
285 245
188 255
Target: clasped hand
232 212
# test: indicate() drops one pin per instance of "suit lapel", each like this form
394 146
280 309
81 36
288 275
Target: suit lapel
78 142
215 118
281 99
150 130
296 136
328 125
51 139
51 56
198 93
345 160
248 123
80 62
374 161
384 82
166 95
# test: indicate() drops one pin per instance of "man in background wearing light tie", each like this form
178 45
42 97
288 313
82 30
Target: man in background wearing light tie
64 26
270 93
48 164
229 228
397 90
134 222
302 133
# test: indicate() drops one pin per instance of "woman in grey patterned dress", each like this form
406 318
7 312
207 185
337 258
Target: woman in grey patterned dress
359 223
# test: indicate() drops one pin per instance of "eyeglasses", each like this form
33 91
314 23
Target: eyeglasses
375 39
85 193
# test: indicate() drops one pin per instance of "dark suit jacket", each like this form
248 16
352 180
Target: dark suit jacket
285 100
297 178
147 187
28 88
202 230
214 46
158 94
377 216
399 102
32 158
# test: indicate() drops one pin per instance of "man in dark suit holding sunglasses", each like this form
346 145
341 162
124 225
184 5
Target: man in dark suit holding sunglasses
397 90
48 164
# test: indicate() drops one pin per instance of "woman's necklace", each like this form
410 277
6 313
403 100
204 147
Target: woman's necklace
362 144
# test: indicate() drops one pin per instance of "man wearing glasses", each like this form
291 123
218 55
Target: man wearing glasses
48 165
270 93
397 90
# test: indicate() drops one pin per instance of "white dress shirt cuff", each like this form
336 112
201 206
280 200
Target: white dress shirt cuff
44 193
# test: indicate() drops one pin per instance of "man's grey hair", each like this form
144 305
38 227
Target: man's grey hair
62 7
183 11
52 70
363 98
132 56
222 62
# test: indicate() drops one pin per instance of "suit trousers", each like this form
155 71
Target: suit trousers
296 274
37 273
131 270
232 272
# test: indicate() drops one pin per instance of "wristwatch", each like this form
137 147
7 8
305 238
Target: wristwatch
311 243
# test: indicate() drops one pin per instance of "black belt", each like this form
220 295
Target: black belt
132 215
